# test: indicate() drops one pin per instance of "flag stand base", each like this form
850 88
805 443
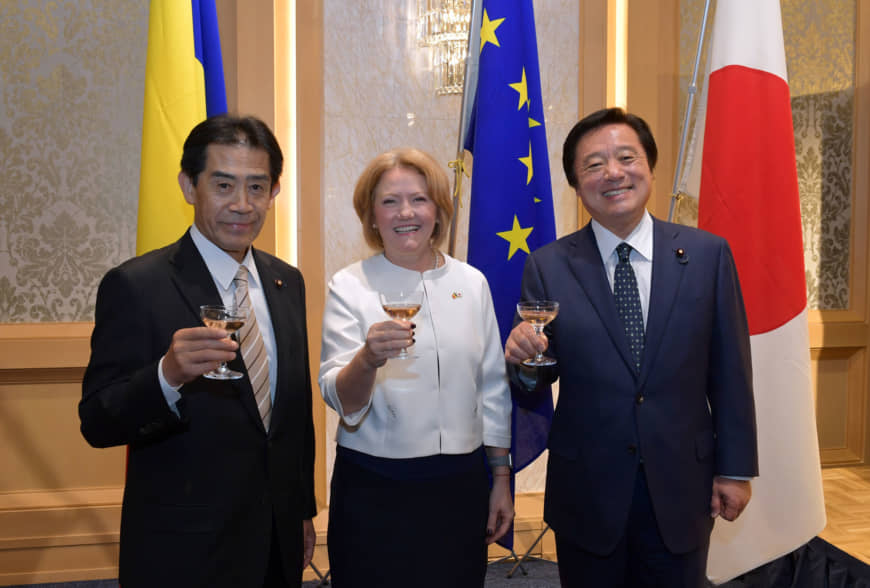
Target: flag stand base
512 556
323 578
527 555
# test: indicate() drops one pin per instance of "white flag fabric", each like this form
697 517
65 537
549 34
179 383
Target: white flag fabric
749 194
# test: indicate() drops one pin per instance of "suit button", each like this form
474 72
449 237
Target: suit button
639 399
632 449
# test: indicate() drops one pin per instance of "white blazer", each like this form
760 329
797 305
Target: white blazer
453 396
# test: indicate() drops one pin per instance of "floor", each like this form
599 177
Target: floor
847 502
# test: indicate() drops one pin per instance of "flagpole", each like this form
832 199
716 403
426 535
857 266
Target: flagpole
690 102
472 60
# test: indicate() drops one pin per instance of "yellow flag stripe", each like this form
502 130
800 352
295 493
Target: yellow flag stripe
174 104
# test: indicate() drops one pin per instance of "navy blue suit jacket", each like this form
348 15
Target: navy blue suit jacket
688 413
202 489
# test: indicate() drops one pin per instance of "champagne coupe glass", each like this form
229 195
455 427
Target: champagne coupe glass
538 313
230 319
402 305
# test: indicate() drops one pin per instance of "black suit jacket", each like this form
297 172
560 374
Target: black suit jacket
688 412
202 490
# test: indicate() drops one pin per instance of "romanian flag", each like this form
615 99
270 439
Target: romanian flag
184 83
749 195
511 211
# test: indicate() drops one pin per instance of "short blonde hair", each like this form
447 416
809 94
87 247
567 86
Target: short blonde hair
437 186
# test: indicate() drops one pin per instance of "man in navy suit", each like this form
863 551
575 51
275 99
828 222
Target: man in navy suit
654 432
219 491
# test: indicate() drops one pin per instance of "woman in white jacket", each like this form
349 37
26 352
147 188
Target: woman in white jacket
410 483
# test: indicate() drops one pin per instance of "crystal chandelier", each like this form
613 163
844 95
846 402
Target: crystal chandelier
443 26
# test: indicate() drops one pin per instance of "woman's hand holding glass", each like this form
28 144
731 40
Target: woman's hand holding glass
386 340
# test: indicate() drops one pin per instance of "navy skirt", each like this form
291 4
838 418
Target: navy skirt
418 522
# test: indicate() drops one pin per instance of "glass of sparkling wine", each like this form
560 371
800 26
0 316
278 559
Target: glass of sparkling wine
402 305
538 313
230 320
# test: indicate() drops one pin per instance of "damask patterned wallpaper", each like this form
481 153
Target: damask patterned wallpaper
820 51
820 54
71 85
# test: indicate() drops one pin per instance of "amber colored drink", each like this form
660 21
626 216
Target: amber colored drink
230 326
401 311
537 317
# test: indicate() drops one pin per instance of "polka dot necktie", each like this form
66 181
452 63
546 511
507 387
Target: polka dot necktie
628 302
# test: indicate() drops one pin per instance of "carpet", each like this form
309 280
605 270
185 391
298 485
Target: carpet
540 574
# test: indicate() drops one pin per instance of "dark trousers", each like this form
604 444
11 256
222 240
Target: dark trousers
427 533
276 575
641 559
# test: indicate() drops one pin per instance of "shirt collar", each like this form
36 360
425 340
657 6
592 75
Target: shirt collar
220 264
640 238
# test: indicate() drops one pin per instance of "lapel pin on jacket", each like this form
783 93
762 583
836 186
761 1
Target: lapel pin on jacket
279 283
681 255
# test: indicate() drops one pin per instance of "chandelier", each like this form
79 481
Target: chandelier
443 25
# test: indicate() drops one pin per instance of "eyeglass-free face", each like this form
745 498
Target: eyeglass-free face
614 178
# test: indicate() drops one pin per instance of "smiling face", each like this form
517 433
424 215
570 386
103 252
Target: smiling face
614 180
231 196
405 215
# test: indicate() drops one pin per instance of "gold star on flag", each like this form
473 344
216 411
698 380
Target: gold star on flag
527 161
523 90
487 30
516 237
533 123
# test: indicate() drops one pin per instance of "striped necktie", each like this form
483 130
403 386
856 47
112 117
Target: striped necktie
253 350
628 302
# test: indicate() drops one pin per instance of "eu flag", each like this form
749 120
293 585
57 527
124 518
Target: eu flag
511 211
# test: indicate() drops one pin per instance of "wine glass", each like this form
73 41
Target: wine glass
538 313
402 305
230 319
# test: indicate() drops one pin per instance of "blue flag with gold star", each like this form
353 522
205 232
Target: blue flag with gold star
511 211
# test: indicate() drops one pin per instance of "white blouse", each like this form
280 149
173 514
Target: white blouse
453 395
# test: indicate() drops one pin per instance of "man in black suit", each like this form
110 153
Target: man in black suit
654 432
219 491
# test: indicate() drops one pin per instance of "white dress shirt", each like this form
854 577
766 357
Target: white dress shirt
641 257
